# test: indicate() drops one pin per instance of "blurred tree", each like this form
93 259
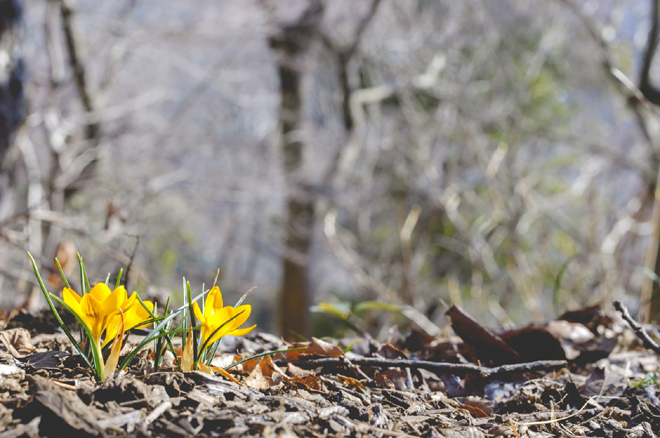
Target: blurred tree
291 43
650 296
11 75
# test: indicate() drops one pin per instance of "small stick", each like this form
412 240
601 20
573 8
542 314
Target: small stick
637 328
438 367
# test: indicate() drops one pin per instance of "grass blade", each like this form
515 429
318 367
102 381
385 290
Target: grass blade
121 271
62 273
84 281
240 301
57 315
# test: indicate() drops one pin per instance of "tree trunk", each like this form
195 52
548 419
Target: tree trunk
11 73
650 297
291 44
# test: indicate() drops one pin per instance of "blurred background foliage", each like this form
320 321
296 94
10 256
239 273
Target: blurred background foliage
501 155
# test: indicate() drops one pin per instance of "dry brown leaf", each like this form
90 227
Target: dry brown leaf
322 348
16 341
350 381
294 371
392 379
533 343
477 406
389 351
265 375
246 367
309 382
489 346
293 354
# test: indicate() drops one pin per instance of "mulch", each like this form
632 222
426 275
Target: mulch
584 374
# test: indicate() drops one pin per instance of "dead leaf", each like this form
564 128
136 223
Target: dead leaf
350 381
265 375
309 382
534 343
477 406
392 379
488 345
295 371
64 411
246 367
417 339
388 351
322 348
46 359
293 354
16 341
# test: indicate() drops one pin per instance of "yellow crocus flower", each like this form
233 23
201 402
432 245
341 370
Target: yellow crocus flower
215 315
100 309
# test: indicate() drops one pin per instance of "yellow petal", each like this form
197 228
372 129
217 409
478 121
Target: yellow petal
198 313
72 300
91 314
114 300
138 314
213 301
246 309
113 323
111 365
219 317
100 292
219 333
130 302
241 332
132 319
70 296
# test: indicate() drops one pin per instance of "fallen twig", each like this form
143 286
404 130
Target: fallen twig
438 367
637 328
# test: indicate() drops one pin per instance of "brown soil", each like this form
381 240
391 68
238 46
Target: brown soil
586 374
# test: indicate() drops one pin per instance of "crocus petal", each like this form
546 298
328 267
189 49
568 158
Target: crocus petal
130 302
243 313
100 292
138 314
70 296
220 317
72 300
132 319
198 313
213 301
219 334
241 332
114 300
91 314
111 365
113 323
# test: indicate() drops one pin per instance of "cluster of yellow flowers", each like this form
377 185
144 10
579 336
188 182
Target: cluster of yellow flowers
106 315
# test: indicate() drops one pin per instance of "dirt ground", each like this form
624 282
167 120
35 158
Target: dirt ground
585 374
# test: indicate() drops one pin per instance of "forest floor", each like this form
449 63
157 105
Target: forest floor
585 374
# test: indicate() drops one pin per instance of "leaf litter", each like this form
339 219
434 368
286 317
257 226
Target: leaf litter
585 374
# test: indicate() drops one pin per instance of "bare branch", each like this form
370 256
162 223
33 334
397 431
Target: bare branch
645 86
